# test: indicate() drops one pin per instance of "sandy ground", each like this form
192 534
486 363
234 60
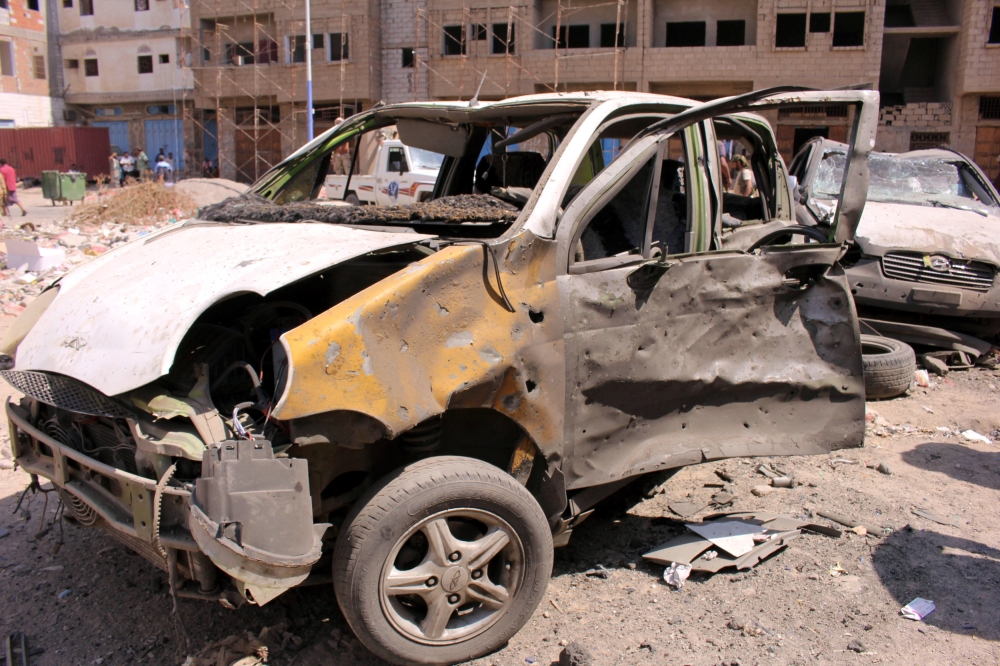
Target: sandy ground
93 602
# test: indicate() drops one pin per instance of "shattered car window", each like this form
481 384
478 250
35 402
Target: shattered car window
921 182
425 159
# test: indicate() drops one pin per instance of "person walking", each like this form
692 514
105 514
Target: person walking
10 182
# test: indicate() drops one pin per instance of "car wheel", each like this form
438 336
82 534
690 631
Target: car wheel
352 199
888 365
442 561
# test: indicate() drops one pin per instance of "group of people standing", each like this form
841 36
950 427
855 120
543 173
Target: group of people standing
138 167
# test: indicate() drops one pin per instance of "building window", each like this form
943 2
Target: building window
32 5
164 58
6 59
161 109
90 67
338 47
142 5
298 48
731 33
477 32
819 22
250 115
407 56
502 41
108 111
928 140
686 33
454 42
72 64
609 32
849 29
572 36
240 54
317 41
995 27
790 31
38 67
68 4
87 9
145 64
989 107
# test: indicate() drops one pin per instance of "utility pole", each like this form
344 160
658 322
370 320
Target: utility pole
309 72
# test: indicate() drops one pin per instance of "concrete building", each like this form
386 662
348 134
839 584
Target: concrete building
29 64
122 64
936 62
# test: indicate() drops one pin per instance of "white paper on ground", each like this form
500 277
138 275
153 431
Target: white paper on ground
733 536
917 609
676 574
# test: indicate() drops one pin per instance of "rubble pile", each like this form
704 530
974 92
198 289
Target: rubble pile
147 202
456 209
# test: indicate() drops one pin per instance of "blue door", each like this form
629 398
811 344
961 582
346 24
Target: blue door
211 141
117 133
165 136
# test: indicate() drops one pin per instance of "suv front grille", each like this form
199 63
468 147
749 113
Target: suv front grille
910 266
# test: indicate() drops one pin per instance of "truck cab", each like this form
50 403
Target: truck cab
399 174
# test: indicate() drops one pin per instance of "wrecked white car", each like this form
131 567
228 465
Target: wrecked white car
425 398
927 250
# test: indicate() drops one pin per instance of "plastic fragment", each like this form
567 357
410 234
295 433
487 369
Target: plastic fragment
676 574
917 609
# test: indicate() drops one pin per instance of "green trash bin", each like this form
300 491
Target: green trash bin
72 186
50 185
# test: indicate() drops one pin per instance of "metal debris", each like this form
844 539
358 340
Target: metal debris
930 515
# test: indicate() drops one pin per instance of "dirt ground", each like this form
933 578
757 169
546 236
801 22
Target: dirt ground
94 602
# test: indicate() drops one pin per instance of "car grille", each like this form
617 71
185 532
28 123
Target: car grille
973 275
65 393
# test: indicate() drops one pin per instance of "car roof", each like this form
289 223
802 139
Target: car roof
830 146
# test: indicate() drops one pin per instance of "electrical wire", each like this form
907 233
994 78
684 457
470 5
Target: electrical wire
487 253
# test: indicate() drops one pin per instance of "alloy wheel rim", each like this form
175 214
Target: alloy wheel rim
451 576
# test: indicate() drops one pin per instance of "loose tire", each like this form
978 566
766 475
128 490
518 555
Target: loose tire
888 365
442 561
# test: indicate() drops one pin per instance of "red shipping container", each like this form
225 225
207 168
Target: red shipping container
36 149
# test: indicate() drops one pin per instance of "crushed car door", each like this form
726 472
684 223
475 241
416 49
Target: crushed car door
697 356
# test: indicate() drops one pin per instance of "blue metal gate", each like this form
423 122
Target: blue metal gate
165 136
117 133
211 140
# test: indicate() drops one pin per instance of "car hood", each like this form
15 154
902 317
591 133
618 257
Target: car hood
956 233
118 320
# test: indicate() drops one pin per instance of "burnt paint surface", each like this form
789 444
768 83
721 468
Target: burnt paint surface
720 358
436 336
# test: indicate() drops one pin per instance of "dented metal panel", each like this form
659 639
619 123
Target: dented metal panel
435 336
118 320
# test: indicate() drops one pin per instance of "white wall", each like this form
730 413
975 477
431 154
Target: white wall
31 110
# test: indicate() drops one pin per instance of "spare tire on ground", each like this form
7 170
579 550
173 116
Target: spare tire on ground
888 364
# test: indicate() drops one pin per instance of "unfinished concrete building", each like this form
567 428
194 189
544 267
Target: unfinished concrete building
936 62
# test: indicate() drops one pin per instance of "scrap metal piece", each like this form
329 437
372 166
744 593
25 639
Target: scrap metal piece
848 522
930 515
751 558
777 521
683 549
685 509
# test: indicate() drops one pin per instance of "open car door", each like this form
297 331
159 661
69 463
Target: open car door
678 353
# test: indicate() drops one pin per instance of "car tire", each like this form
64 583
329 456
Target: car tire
352 199
888 365
442 561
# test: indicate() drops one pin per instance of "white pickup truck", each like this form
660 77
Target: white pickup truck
402 174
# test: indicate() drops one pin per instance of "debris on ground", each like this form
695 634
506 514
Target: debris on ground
685 509
745 538
147 202
973 436
917 609
857 646
246 649
676 574
454 209
33 257
921 378
575 654
847 522
935 365
930 515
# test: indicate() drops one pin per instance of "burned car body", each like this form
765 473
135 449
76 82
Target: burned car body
927 253
427 397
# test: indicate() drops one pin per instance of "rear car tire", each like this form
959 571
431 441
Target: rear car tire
888 365
442 561
352 199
